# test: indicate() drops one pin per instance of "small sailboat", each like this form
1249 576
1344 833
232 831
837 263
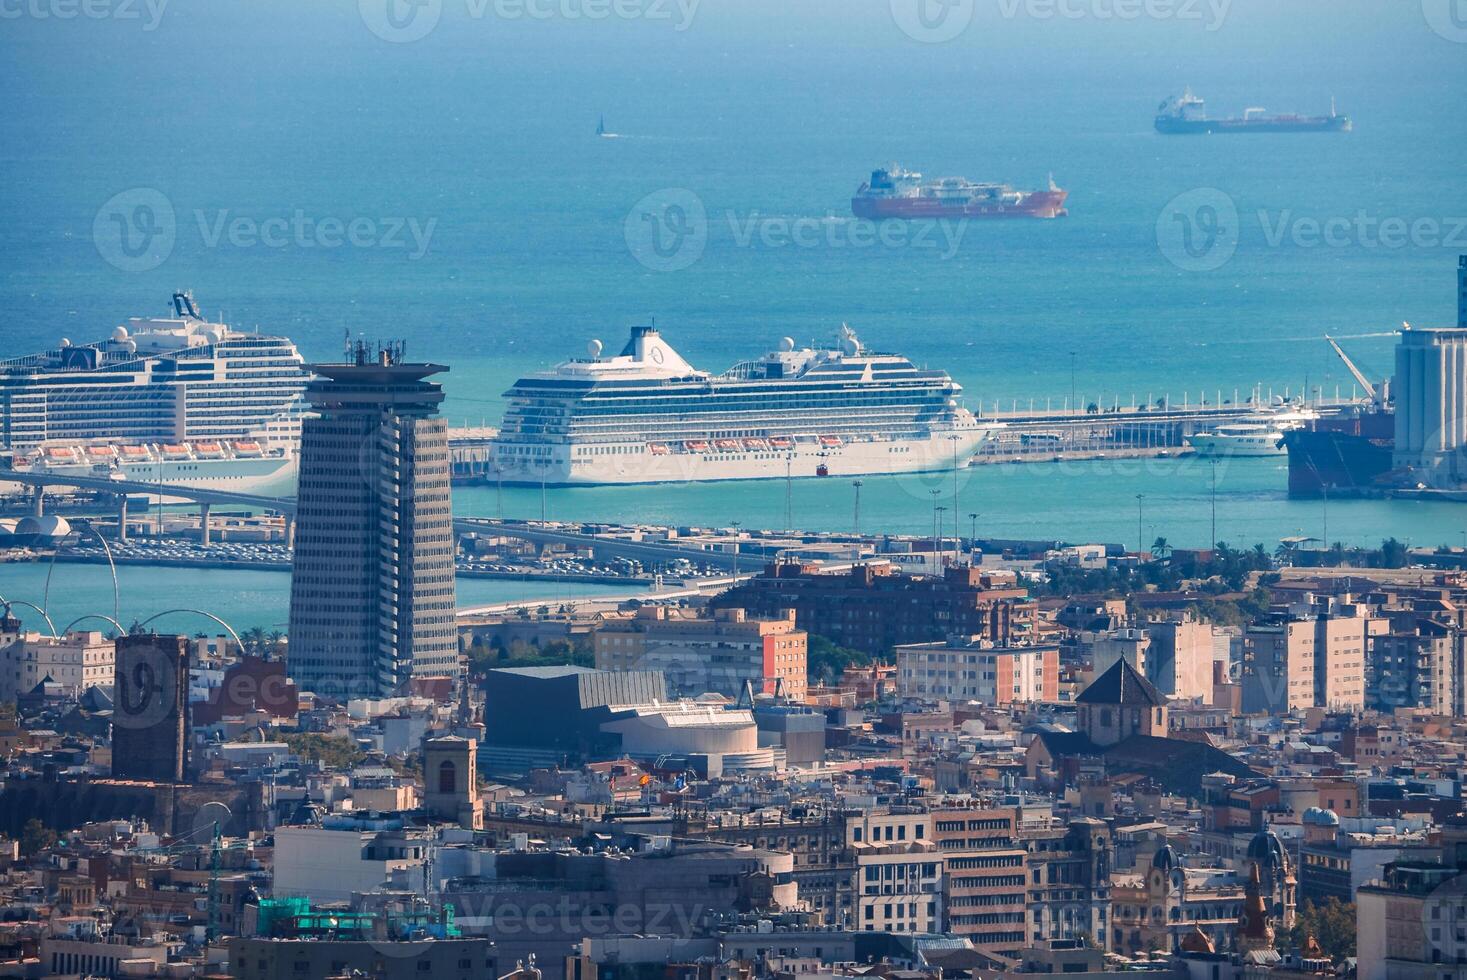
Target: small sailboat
601 129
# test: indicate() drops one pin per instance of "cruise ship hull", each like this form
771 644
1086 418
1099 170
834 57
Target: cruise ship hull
269 476
640 463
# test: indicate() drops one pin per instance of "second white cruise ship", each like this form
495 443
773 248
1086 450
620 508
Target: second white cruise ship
175 399
647 416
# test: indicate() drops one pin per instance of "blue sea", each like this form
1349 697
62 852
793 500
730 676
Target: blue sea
310 169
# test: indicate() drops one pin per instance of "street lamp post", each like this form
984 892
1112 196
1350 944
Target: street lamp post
942 556
736 551
935 494
1324 489
856 523
956 439
789 520
1140 534
543 509
973 533
1073 407
1212 541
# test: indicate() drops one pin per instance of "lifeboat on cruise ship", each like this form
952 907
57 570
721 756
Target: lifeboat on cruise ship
696 446
61 454
727 445
830 440
781 442
208 450
174 450
134 453
822 470
248 449
756 444
101 452
657 448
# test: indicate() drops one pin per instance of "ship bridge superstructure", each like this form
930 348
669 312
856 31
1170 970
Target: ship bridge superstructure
173 378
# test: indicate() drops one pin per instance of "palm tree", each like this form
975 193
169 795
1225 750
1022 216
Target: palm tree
253 640
1160 548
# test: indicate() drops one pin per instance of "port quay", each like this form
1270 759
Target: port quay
1026 431
1161 428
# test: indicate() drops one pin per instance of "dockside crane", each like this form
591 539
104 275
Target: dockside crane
1355 372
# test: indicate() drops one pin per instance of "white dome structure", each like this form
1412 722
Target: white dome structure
45 531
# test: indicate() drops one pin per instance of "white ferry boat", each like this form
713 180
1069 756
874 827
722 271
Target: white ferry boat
1240 439
178 398
1261 435
648 416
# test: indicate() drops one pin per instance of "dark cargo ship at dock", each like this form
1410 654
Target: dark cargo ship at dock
1349 455
1186 114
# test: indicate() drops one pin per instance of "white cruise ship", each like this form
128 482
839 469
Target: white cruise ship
648 416
176 398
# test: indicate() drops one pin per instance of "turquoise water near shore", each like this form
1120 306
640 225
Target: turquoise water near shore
243 599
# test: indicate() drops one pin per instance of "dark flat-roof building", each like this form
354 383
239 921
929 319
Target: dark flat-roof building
874 608
561 709
150 711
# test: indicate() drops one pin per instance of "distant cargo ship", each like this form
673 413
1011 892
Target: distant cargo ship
896 193
1186 114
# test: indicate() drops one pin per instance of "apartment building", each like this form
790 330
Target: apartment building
972 670
1418 662
874 608
897 879
1181 656
984 880
1307 656
76 661
700 654
1068 890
